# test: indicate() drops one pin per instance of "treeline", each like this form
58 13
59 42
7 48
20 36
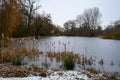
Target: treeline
112 31
19 18
86 24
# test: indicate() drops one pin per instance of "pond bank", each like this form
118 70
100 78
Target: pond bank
10 72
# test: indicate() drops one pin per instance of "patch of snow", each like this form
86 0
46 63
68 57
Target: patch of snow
60 75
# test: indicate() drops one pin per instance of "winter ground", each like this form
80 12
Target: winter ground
61 75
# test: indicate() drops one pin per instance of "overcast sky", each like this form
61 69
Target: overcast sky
64 10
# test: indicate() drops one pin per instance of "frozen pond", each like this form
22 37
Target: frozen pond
106 49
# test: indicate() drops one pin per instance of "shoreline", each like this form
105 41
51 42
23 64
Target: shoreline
10 72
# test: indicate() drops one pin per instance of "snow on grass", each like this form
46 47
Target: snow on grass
60 75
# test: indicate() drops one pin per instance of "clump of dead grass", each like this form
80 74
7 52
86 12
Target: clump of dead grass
10 53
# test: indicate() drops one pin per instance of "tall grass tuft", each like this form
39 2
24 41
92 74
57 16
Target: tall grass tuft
101 62
69 63
18 60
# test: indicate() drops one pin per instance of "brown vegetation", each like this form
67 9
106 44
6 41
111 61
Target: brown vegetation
10 53
21 71
112 31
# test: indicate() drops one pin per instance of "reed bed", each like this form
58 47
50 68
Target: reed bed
10 53
79 59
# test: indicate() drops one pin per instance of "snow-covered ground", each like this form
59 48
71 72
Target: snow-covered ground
60 75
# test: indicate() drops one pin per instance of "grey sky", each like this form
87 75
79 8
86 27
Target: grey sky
63 10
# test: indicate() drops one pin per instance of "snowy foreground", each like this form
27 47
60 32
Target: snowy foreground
66 75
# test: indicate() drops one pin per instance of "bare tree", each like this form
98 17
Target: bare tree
38 23
90 19
42 24
29 7
70 27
